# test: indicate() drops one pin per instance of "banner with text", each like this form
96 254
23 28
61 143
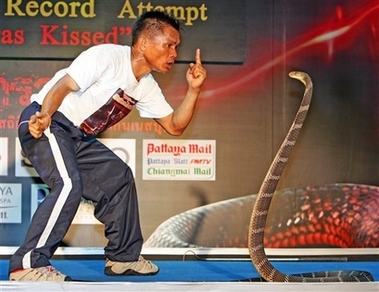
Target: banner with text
62 29
179 160
10 203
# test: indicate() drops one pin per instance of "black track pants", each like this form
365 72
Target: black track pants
74 165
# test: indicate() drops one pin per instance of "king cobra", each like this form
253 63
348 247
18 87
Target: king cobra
264 198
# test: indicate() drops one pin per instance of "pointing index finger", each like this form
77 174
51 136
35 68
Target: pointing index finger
197 57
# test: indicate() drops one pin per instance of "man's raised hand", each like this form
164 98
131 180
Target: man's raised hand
196 73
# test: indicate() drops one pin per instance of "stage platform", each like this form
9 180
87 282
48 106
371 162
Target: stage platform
208 269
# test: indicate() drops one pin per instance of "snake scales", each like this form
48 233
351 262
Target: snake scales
264 198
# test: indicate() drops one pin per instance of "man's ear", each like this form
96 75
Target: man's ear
143 43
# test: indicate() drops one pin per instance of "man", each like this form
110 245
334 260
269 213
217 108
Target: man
57 132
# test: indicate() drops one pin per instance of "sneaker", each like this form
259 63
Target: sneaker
141 267
38 274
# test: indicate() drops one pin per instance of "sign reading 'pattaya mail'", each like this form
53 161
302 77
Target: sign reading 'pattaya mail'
179 160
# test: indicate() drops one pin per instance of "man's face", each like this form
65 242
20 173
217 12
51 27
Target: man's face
160 51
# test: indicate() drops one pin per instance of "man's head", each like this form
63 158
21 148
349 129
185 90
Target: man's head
155 38
152 23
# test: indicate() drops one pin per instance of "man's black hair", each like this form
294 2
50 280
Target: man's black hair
153 21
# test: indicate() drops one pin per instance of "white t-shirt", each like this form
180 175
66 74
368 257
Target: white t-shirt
99 72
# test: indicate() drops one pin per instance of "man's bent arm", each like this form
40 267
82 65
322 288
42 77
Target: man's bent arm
42 120
177 122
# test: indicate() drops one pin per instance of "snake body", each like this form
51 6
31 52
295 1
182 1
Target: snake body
332 215
265 195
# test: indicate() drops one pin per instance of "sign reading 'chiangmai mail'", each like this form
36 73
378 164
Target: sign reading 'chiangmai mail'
179 160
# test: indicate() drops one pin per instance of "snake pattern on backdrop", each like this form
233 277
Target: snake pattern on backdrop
339 215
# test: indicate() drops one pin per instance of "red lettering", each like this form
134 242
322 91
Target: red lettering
98 38
74 38
112 36
19 37
86 38
64 40
150 148
62 36
47 38
6 37
9 37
